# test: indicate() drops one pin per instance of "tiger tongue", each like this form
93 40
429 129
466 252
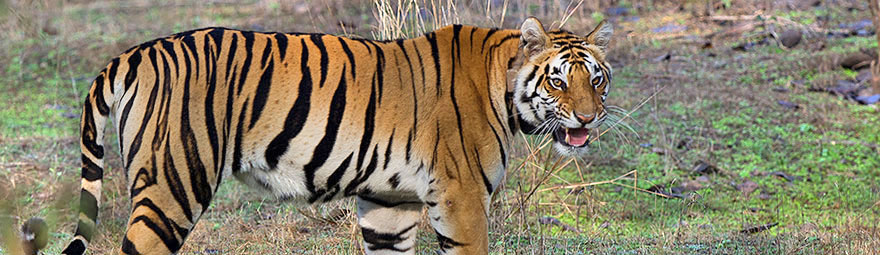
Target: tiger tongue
576 136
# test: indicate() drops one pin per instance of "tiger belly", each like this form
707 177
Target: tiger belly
306 173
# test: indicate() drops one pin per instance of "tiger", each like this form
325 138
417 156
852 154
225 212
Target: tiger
399 125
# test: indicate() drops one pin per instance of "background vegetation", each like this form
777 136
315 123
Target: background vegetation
729 142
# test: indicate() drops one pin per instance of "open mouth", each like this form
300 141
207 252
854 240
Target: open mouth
574 137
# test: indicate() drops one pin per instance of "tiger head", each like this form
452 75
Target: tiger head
562 82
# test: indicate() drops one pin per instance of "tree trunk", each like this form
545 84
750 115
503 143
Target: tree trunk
875 65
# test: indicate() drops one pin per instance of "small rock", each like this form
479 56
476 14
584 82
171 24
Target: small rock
780 90
704 168
788 105
790 38
856 61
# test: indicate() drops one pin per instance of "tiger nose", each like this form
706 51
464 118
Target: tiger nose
585 118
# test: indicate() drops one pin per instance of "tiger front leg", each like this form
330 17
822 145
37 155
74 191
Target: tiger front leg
459 216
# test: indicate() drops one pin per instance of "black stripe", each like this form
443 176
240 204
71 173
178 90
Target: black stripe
420 66
248 53
335 177
486 181
230 96
296 118
264 87
436 145
90 170
134 62
201 188
350 56
435 55
385 241
103 109
236 139
175 186
318 40
89 133
409 140
111 73
136 142
369 120
415 99
325 146
456 44
455 105
385 203
446 242
486 39
362 176
394 181
501 146
166 232
388 149
267 52
230 57
379 79
281 41
147 179
210 122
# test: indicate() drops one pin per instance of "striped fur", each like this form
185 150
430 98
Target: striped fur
310 118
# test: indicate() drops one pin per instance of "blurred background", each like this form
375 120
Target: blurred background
739 126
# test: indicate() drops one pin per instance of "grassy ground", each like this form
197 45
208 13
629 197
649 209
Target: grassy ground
812 170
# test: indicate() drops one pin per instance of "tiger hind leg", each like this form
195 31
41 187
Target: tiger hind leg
388 225
163 211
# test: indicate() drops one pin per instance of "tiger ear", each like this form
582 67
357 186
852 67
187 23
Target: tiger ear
601 35
533 38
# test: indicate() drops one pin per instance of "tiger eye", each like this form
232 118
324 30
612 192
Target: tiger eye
596 81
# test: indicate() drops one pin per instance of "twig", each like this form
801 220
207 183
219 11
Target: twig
612 181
